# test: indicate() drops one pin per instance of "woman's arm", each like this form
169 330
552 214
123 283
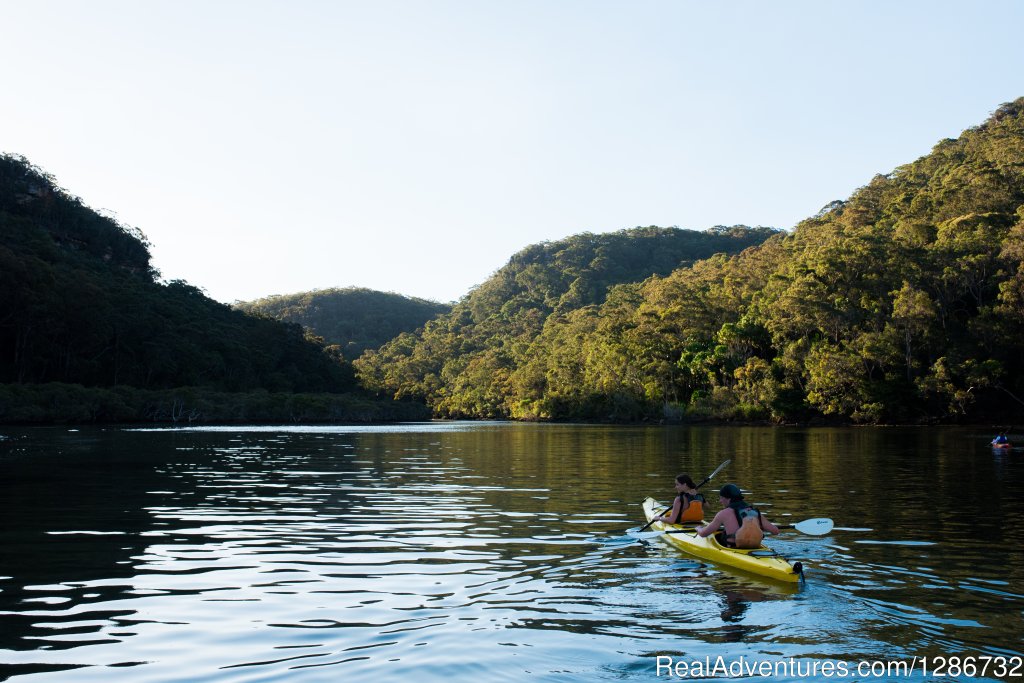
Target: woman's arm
673 515
768 526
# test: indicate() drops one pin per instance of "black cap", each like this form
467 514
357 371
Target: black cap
731 491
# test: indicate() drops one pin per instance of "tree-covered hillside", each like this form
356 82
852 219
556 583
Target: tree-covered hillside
353 318
462 363
903 303
80 306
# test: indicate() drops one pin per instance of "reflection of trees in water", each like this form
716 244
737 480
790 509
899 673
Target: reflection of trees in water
53 482
79 510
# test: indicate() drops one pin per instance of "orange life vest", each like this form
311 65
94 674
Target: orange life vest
695 511
750 534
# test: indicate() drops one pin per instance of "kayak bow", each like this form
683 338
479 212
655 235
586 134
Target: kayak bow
761 561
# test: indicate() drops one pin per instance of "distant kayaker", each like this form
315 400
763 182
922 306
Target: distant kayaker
688 505
742 524
1000 440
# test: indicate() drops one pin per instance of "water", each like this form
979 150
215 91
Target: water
482 551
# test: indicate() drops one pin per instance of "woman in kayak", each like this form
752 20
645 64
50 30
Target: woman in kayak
688 505
743 524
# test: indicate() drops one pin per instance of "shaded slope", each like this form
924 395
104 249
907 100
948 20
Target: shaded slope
81 306
355 319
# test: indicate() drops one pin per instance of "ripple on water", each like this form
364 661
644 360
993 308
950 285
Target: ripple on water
478 553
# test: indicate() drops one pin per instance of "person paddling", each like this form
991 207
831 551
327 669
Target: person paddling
743 524
688 505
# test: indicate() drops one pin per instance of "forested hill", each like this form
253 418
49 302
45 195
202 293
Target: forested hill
904 303
81 306
353 318
462 363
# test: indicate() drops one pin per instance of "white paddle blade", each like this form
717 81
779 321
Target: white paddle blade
641 535
718 469
814 527
621 540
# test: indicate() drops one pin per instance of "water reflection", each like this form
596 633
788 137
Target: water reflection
447 551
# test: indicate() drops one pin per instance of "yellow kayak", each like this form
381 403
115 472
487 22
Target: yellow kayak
762 561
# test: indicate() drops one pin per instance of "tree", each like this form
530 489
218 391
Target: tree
912 312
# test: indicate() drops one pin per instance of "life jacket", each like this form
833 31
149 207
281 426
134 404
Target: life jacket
693 513
749 535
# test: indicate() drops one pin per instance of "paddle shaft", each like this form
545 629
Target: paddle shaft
811 527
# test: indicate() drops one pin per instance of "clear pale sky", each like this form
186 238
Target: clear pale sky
414 146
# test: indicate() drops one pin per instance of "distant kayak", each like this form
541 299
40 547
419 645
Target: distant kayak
1006 445
762 561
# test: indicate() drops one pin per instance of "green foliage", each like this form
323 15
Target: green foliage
61 220
353 318
81 306
904 302
70 403
491 356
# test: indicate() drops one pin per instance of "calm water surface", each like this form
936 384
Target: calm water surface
481 551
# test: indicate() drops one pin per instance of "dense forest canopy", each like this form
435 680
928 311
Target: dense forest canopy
353 318
81 305
903 303
464 363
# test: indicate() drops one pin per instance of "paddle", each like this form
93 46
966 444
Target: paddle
819 526
706 480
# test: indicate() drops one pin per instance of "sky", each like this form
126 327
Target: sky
413 146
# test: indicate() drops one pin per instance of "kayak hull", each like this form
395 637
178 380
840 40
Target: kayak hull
762 561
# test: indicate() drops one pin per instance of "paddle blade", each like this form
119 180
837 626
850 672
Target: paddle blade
718 469
814 527
712 475
621 540
632 536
